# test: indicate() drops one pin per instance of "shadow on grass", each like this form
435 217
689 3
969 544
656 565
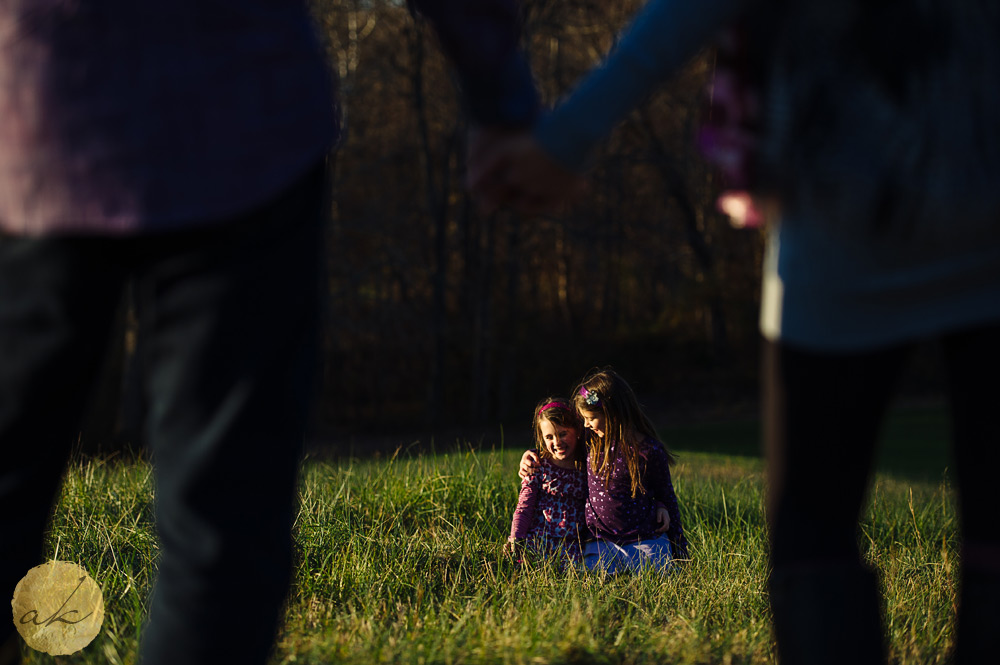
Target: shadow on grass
914 443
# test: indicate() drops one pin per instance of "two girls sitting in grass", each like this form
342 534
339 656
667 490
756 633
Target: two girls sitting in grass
630 508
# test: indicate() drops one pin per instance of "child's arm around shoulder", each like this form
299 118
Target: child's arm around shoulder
529 464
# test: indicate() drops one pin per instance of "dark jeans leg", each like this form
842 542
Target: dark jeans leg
822 415
57 304
973 362
822 418
231 321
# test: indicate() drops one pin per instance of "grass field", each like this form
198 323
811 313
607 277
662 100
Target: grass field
400 560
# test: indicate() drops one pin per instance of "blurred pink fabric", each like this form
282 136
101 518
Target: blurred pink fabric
728 136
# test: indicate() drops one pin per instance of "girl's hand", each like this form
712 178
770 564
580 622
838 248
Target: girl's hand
663 519
529 462
512 549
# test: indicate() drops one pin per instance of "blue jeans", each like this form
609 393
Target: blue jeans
229 314
613 558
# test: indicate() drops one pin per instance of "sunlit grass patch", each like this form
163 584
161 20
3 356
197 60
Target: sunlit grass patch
399 560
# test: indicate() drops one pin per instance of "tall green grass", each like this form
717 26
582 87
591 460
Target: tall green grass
400 560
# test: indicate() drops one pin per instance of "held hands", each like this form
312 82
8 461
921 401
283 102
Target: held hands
509 168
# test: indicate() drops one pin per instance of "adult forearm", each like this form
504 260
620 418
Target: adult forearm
663 35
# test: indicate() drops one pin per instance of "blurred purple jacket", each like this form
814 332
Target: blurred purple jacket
121 117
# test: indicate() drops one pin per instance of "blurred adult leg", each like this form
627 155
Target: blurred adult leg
57 304
231 319
821 420
973 362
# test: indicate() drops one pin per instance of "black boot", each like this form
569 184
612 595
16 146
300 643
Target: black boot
977 627
827 615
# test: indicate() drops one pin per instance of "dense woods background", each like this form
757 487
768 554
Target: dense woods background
439 316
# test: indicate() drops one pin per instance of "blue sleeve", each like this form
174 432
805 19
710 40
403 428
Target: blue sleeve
481 37
660 39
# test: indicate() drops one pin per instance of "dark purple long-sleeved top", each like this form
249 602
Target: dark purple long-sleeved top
613 514
118 116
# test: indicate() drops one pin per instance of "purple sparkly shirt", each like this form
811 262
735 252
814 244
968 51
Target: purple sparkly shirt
612 513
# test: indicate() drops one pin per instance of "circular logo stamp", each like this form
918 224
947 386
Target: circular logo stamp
58 608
